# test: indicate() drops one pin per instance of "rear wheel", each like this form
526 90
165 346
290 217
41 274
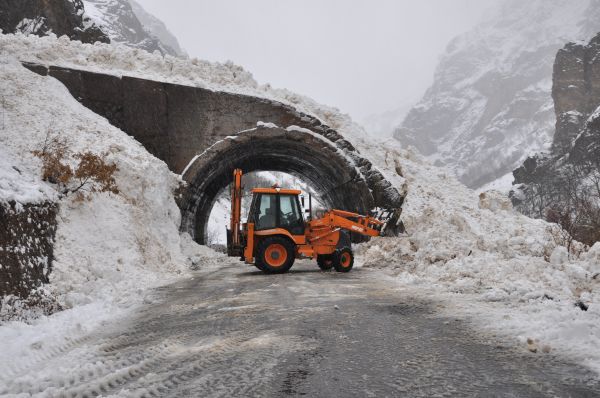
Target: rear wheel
343 260
275 255
325 261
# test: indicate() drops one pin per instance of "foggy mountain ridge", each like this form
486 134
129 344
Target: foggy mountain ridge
490 104
128 23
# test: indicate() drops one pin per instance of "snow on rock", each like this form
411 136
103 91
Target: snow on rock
508 272
19 185
122 21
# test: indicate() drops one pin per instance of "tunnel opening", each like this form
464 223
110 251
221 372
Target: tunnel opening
315 161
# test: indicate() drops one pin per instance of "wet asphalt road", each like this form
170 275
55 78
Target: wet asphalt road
238 333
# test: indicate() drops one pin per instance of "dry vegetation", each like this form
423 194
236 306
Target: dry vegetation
90 174
571 199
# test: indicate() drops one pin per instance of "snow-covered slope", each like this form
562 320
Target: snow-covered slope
124 23
506 272
112 247
490 104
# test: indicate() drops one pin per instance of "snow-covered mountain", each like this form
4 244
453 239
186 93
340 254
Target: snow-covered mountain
123 22
490 103
43 17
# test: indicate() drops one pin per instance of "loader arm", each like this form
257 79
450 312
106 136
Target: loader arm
340 219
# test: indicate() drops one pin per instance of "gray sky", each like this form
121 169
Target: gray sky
361 56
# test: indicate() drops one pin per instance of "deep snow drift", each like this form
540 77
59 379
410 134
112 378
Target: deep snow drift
107 246
509 272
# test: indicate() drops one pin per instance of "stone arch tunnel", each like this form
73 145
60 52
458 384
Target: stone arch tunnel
204 135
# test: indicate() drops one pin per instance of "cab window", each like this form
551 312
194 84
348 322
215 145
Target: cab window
290 216
265 212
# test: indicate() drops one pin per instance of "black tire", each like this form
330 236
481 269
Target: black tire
263 256
343 260
325 261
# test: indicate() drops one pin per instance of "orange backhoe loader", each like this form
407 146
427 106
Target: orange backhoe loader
276 233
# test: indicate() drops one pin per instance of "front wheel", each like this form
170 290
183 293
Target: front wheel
275 255
343 260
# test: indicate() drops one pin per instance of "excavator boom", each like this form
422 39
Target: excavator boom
236 208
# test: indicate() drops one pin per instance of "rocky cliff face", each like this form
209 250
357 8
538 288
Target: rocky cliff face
566 179
490 104
576 91
41 17
576 95
26 246
118 19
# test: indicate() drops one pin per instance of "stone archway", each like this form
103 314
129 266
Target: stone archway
296 151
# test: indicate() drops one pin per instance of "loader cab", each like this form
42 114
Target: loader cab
276 208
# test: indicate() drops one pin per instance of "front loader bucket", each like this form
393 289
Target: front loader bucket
392 226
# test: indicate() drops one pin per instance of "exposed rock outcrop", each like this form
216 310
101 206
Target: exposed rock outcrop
42 17
26 246
575 91
490 106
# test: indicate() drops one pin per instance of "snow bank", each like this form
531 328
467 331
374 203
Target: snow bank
113 244
507 271
112 247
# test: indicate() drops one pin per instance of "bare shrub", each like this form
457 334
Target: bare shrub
574 205
92 173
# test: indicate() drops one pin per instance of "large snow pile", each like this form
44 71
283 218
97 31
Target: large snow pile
510 272
111 247
121 60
